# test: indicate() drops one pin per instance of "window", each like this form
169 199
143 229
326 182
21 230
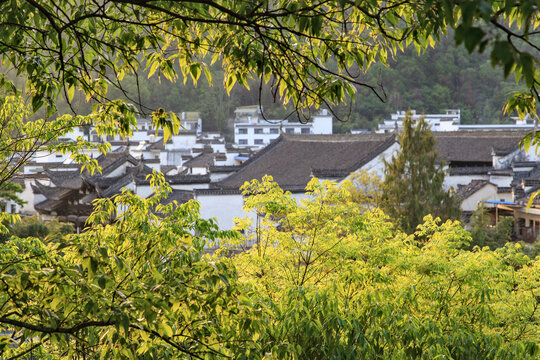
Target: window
242 131
259 142
289 130
242 141
13 208
305 131
258 131
274 131
58 155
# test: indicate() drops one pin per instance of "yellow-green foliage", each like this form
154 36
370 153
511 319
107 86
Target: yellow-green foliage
338 283
134 288
365 189
323 280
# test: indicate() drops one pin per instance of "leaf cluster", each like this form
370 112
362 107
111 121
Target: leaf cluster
389 295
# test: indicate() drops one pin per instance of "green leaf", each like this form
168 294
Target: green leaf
316 25
195 71
70 93
473 37
528 69
167 330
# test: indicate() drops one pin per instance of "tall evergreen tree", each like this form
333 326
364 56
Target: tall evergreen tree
413 185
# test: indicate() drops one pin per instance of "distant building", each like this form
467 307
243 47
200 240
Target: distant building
68 193
251 129
483 166
450 121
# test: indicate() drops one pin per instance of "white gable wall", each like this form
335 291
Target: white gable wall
189 186
223 207
376 164
501 180
455 180
488 192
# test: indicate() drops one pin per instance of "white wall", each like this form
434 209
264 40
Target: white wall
224 208
488 192
376 165
214 177
143 191
218 148
322 124
455 180
199 170
500 180
189 186
182 141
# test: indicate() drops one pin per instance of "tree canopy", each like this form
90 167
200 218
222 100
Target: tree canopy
413 183
136 284
322 280
310 52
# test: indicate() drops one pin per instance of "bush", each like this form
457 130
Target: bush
485 234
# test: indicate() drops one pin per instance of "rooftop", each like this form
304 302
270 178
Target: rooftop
290 159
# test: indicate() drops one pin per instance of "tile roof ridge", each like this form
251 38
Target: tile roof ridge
377 150
254 158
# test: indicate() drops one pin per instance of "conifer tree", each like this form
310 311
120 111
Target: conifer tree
413 185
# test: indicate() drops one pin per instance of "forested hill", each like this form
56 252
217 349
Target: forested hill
442 78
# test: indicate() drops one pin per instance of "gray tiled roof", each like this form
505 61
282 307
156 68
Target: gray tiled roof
470 170
180 196
204 159
290 159
476 146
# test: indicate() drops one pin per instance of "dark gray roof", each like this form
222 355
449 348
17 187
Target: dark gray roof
521 196
204 159
48 205
187 179
517 164
476 146
224 168
66 179
531 182
470 170
157 145
180 196
54 165
290 159
53 193
166 168
502 172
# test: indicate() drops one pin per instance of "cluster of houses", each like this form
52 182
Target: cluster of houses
485 165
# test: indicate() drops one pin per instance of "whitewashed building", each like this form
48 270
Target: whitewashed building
482 166
251 129
449 121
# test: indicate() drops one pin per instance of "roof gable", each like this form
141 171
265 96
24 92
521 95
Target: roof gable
292 159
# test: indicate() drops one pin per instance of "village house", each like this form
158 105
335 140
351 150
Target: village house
68 195
293 160
486 167
252 129
482 166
